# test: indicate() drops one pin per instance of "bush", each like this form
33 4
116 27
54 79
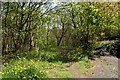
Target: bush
50 56
79 54
51 49
22 68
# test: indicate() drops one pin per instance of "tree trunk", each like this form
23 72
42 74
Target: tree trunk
87 43
47 35
4 44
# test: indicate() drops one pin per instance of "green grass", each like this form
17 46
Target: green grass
22 68
59 69
84 67
48 62
54 69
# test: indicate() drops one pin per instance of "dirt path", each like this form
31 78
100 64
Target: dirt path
104 67
74 71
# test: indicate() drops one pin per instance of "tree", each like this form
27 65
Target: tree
19 25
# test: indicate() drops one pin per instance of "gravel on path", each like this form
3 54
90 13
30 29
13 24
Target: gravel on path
104 67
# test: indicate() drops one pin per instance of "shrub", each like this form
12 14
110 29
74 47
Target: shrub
22 68
79 54
50 56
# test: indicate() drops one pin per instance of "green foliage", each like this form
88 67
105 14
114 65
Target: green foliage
81 25
33 31
41 38
52 49
50 69
50 56
102 44
79 55
54 69
22 68
86 62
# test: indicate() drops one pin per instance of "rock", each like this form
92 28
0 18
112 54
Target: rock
113 49
91 58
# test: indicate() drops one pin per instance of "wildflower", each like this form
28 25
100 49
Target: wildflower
2 73
15 73
47 72
35 75
24 77
20 70
24 68
28 66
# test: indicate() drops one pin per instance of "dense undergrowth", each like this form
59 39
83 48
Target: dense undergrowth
22 68
40 64
47 63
